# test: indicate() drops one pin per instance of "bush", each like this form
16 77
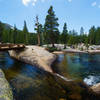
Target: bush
52 49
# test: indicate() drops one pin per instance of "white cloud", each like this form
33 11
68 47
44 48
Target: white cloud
33 2
94 4
69 0
26 2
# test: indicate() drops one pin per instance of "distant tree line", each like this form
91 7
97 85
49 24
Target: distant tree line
13 35
49 33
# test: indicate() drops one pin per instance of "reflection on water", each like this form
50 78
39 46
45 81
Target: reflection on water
85 67
30 83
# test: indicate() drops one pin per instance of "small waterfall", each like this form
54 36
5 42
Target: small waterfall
62 77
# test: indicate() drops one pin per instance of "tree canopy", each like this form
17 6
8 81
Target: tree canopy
51 26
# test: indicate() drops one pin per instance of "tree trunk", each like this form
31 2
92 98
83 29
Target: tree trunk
64 46
39 43
53 45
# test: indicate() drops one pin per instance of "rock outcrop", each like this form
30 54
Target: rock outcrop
96 88
35 55
5 90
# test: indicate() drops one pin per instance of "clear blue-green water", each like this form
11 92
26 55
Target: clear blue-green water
85 67
31 83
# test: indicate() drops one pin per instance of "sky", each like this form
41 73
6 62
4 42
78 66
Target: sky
76 13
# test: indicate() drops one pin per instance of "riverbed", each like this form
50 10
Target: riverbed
31 83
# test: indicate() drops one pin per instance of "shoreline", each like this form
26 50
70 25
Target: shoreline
76 51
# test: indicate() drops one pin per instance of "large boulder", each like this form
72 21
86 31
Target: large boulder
5 89
35 55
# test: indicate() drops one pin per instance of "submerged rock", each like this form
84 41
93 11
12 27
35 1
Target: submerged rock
5 90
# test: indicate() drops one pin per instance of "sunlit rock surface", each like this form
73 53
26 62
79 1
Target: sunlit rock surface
96 88
35 55
5 90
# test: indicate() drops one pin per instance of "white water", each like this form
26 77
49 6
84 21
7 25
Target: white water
91 80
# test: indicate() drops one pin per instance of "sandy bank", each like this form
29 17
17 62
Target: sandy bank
35 55
5 90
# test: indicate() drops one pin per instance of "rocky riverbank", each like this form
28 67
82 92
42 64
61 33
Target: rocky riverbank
35 55
5 90
79 48
40 57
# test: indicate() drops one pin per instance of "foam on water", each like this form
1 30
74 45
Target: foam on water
91 80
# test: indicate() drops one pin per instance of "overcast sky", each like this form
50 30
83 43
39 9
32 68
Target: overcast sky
75 13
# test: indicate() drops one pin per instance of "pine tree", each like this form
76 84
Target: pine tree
64 36
4 36
51 26
11 40
1 31
25 33
97 37
92 35
38 30
71 40
82 31
41 29
15 34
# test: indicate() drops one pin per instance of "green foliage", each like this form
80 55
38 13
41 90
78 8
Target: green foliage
64 35
49 33
92 35
52 49
1 31
8 35
39 31
51 27
25 33
33 38
15 33
82 31
97 37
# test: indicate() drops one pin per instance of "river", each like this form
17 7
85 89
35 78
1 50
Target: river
79 66
30 83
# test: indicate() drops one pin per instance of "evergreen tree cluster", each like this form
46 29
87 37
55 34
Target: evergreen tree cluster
49 33
9 35
94 35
